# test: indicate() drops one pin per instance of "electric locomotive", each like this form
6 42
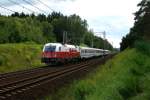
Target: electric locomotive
57 52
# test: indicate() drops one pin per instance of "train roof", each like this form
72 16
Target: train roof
90 48
48 44
70 46
59 44
73 46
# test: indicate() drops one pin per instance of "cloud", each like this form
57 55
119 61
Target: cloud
115 26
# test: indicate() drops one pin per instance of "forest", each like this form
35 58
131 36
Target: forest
40 29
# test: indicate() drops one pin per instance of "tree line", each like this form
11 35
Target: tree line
141 28
21 27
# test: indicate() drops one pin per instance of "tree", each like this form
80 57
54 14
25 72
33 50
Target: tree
89 38
141 28
53 16
48 32
16 14
32 15
142 20
41 17
23 15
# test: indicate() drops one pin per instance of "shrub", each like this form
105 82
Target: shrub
143 47
19 57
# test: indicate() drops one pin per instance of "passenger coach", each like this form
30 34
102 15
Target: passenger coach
86 52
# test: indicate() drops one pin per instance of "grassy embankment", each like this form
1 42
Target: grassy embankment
125 77
21 56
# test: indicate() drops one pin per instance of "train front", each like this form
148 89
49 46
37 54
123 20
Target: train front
49 55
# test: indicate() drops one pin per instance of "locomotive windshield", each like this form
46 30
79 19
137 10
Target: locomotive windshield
49 48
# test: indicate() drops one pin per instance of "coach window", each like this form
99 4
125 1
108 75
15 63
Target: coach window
82 51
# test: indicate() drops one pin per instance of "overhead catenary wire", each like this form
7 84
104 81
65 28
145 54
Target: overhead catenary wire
28 9
21 6
7 8
34 6
46 5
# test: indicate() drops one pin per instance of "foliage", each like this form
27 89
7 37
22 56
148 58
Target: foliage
73 25
128 41
141 26
143 47
125 77
16 30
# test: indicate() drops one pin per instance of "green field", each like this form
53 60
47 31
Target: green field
21 56
125 77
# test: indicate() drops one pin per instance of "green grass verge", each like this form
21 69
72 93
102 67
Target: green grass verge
14 57
125 77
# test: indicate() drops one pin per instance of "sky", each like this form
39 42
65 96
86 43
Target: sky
115 17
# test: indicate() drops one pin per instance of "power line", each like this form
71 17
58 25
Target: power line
34 6
21 6
7 8
46 5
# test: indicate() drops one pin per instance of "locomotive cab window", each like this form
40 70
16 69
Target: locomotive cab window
59 48
50 48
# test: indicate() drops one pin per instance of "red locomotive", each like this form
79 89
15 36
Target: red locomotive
56 52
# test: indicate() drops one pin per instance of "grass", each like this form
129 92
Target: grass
125 77
14 57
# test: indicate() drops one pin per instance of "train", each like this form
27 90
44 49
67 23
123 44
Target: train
54 53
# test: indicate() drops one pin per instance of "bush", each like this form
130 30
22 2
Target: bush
143 47
16 57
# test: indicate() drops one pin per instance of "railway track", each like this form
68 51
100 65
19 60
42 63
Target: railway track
10 78
24 72
23 81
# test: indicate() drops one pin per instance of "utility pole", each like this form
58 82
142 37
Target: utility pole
64 37
92 42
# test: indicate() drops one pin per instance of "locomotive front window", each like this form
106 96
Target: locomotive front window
50 48
59 48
